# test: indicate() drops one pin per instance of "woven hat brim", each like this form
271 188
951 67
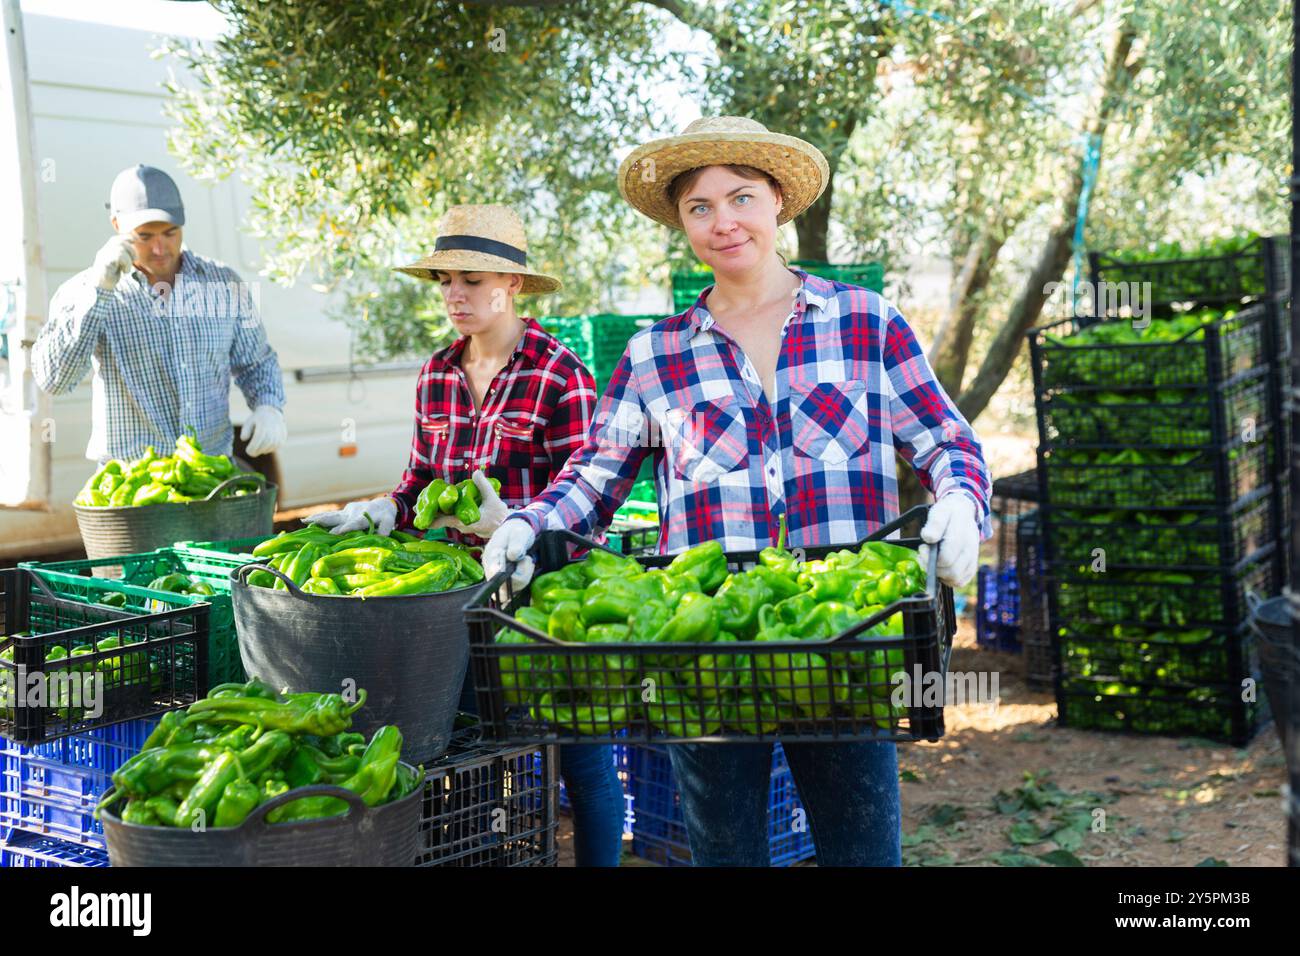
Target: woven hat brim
459 260
799 167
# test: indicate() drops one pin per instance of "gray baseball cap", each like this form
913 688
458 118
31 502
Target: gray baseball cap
145 194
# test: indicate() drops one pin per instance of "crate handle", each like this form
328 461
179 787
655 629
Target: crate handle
915 513
244 570
248 476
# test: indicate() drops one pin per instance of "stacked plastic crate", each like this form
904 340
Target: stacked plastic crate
998 618
1160 511
1259 271
489 805
48 795
659 828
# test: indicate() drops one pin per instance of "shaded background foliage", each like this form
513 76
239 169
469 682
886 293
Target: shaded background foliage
954 129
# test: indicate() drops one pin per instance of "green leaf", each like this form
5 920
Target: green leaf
1068 839
923 834
1212 861
1024 834
944 814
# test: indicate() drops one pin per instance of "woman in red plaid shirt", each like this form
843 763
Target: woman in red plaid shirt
505 400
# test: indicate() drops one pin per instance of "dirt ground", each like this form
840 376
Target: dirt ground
1109 799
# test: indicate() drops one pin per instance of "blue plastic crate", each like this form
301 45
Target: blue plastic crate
51 790
30 849
659 828
997 608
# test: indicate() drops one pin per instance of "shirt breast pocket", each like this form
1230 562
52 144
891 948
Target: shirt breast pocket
708 442
830 421
435 430
516 442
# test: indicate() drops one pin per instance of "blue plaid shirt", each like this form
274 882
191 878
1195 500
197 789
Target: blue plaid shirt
852 386
162 363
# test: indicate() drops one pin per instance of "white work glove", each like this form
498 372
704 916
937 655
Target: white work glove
117 256
510 542
952 524
492 511
358 516
264 430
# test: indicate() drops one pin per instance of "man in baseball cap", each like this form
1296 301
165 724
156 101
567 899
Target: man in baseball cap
164 330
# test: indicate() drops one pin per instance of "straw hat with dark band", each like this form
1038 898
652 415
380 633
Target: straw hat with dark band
800 167
481 238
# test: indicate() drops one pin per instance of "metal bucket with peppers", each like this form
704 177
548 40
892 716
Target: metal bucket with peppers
251 777
402 636
826 643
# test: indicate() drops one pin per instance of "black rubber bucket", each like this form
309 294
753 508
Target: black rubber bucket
1279 659
365 836
108 532
409 653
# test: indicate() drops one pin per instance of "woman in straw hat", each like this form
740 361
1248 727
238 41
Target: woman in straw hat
782 394
506 398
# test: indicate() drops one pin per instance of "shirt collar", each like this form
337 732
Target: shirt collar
533 347
814 293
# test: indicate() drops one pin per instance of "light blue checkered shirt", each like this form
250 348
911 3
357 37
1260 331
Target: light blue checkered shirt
162 364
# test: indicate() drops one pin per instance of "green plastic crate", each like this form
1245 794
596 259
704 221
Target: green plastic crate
644 490
635 528
75 581
869 275
218 555
687 287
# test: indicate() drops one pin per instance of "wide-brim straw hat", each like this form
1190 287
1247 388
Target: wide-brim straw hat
799 166
482 238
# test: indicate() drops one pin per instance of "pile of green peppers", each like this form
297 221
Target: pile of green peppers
212 764
461 499
118 671
734 685
180 583
188 474
364 564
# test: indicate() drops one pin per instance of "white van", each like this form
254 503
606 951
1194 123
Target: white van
92 99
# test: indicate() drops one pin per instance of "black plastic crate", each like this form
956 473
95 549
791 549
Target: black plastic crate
1173 418
1132 478
158 663
1260 268
1212 711
1206 357
488 805
1035 629
1159 598
839 689
1178 540
1167 659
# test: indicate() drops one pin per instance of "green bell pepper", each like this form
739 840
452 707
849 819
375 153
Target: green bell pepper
705 562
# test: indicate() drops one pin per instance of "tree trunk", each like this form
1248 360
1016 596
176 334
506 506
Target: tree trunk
813 226
1056 251
951 349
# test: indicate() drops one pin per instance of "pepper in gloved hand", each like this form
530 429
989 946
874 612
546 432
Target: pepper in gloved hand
479 517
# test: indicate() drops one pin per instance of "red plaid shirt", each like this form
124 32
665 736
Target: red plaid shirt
534 415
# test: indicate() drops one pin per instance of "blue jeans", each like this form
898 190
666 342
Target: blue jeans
595 794
849 792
